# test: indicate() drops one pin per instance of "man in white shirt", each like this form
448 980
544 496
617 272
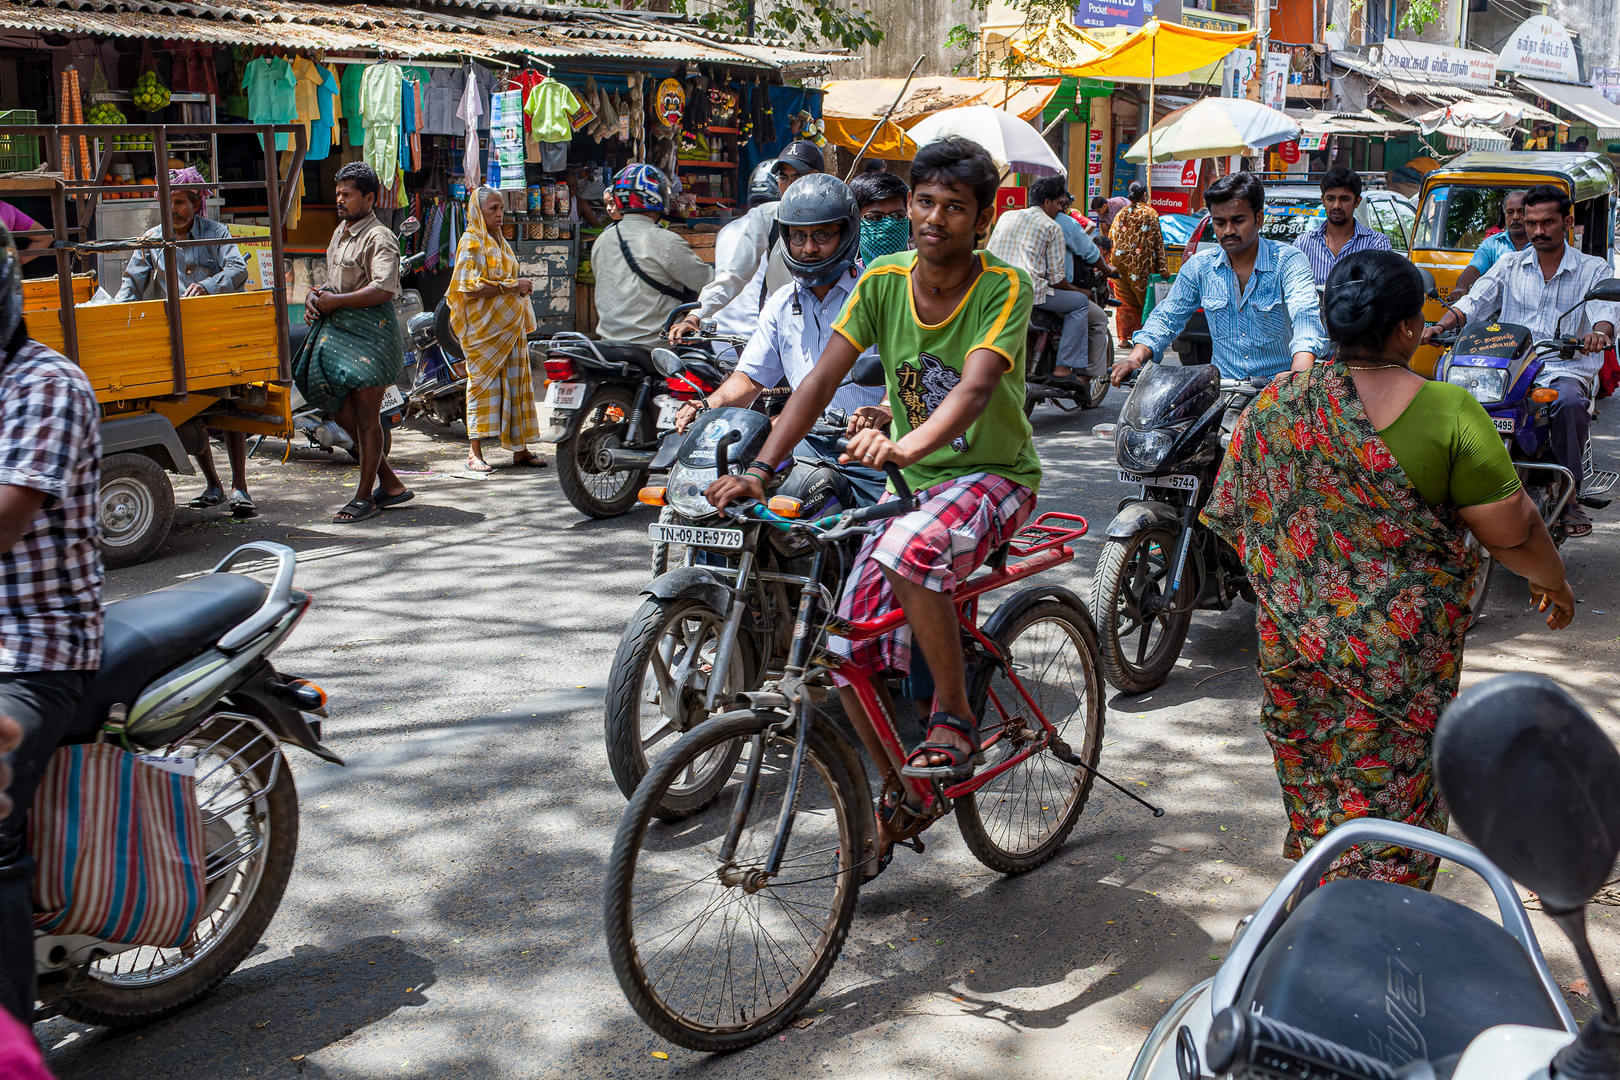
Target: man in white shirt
741 315
642 272
797 321
1533 287
758 241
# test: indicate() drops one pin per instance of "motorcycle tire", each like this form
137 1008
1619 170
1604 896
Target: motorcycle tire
388 446
628 698
1480 594
1128 571
135 509
588 489
107 999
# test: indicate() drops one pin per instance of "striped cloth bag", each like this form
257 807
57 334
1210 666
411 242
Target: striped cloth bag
118 848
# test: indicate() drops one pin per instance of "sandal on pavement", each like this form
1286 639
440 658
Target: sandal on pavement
530 461
1576 523
385 500
960 765
358 510
212 497
478 466
242 505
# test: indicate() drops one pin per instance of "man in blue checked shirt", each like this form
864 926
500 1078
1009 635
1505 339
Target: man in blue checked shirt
1258 294
1340 233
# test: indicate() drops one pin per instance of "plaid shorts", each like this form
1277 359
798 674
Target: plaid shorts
937 546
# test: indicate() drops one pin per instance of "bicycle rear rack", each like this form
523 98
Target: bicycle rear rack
1039 536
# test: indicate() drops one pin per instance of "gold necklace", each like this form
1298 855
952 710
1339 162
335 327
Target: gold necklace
1372 367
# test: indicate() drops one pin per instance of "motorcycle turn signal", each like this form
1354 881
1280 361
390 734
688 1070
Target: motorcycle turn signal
653 496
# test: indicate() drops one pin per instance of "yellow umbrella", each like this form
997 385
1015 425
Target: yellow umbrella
1156 49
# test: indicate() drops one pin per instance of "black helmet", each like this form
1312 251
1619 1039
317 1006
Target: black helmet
762 183
11 289
820 199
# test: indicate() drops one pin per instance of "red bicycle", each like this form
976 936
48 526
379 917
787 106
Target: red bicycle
722 925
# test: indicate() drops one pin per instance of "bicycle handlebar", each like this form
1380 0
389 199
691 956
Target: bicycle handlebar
901 488
1249 1045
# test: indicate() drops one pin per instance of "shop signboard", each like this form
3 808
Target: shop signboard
1423 60
1606 81
1098 13
1276 89
1124 171
1289 152
1238 69
1200 19
1094 165
1540 49
1171 202
1174 174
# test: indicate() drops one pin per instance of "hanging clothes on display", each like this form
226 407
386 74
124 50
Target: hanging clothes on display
526 80
236 102
193 68
470 112
271 94
407 123
440 98
548 109
381 103
316 91
336 101
506 141
353 76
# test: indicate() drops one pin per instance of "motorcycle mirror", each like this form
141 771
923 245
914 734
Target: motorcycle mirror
667 362
1430 289
1607 289
409 226
868 371
1535 784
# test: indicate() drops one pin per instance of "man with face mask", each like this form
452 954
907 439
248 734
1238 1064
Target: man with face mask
1340 233
885 226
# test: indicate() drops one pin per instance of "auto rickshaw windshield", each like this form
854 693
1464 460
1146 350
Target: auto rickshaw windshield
1458 217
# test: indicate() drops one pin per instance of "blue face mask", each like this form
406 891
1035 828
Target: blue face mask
880 238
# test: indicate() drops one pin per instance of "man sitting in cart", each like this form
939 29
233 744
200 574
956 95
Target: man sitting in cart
950 324
203 270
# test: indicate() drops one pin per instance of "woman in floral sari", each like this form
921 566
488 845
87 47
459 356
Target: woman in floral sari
492 315
1138 253
1349 489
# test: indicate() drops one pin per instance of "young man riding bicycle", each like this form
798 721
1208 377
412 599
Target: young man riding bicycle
949 323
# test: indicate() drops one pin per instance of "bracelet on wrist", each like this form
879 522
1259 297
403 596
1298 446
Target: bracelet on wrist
771 470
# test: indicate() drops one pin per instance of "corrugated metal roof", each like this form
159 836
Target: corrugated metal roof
451 29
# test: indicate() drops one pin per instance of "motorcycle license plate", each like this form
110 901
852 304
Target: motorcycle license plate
565 395
693 536
1178 481
392 399
1504 424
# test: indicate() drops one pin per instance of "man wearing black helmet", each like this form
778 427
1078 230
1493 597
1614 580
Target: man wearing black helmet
820 219
741 316
761 242
50 589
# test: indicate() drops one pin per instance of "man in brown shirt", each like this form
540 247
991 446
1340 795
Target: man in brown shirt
358 352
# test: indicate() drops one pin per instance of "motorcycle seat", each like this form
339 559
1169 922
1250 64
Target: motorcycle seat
144 636
1046 321
1394 972
626 352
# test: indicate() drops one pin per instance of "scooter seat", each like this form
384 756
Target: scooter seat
1394 972
145 636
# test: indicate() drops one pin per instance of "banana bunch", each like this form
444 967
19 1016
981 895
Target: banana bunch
151 95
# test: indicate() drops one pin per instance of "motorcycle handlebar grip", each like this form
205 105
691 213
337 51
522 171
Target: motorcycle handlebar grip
1250 1045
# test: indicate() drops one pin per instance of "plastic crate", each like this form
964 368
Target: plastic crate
19 153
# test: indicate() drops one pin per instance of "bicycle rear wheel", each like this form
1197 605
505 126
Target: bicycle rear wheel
1018 820
711 958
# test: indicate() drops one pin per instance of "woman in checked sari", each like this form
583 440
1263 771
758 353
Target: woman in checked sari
492 315
1349 490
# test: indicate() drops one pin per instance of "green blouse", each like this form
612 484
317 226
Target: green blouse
1449 448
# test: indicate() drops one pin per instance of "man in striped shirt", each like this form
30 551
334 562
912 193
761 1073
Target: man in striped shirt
1340 233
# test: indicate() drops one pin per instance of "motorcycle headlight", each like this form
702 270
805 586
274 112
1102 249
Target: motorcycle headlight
1488 385
1144 451
686 487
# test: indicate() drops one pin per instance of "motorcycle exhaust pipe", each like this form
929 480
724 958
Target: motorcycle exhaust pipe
614 460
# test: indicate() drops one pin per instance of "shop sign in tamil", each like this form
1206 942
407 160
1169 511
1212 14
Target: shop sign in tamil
1541 49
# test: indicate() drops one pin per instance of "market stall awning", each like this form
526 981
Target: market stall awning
1364 124
1156 51
1214 127
1583 101
619 38
852 108
1059 45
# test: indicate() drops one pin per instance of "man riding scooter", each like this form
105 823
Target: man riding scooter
1532 288
821 223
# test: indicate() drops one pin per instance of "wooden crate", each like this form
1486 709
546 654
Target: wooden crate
124 348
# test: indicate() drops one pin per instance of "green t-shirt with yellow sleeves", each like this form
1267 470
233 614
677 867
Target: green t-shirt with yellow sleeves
924 363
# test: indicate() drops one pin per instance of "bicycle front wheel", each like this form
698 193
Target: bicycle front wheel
717 957
1020 818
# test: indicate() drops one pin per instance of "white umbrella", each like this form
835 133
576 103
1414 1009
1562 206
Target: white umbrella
1013 143
1215 127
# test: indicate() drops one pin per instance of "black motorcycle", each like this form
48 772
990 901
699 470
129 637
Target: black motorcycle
1045 333
721 624
1158 563
609 407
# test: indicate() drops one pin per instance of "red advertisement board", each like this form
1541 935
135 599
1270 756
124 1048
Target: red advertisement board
1171 202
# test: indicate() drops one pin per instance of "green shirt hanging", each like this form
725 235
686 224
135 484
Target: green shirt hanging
549 106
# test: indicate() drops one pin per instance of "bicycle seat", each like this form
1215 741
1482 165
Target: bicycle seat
1394 972
145 636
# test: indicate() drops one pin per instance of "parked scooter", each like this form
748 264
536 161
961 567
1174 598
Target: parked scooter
1498 363
1158 562
609 405
721 624
435 381
1368 980
187 669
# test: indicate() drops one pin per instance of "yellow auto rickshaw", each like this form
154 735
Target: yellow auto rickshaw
1461 203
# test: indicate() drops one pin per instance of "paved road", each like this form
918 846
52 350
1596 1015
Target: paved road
444 918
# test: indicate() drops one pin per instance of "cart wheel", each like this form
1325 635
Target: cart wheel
137 509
